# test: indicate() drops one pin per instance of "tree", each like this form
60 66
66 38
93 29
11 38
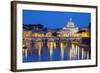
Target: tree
40 26
54 34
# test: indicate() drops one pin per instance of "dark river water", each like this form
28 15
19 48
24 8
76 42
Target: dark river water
53 51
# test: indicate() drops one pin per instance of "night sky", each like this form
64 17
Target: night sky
52 19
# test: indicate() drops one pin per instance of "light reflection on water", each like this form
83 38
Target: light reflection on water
55 51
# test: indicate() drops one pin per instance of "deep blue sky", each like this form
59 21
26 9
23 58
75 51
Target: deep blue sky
52 19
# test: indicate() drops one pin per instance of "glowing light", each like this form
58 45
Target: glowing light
50 46
87 55
78 50
82 53
62 50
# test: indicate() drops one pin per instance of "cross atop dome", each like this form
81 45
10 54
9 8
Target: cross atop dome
70 19
70 24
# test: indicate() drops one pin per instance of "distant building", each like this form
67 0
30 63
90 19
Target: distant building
70 27
69 30
27 41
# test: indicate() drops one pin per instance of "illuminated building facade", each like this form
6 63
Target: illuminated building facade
70 27
70 30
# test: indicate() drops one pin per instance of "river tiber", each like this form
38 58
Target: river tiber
67 43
